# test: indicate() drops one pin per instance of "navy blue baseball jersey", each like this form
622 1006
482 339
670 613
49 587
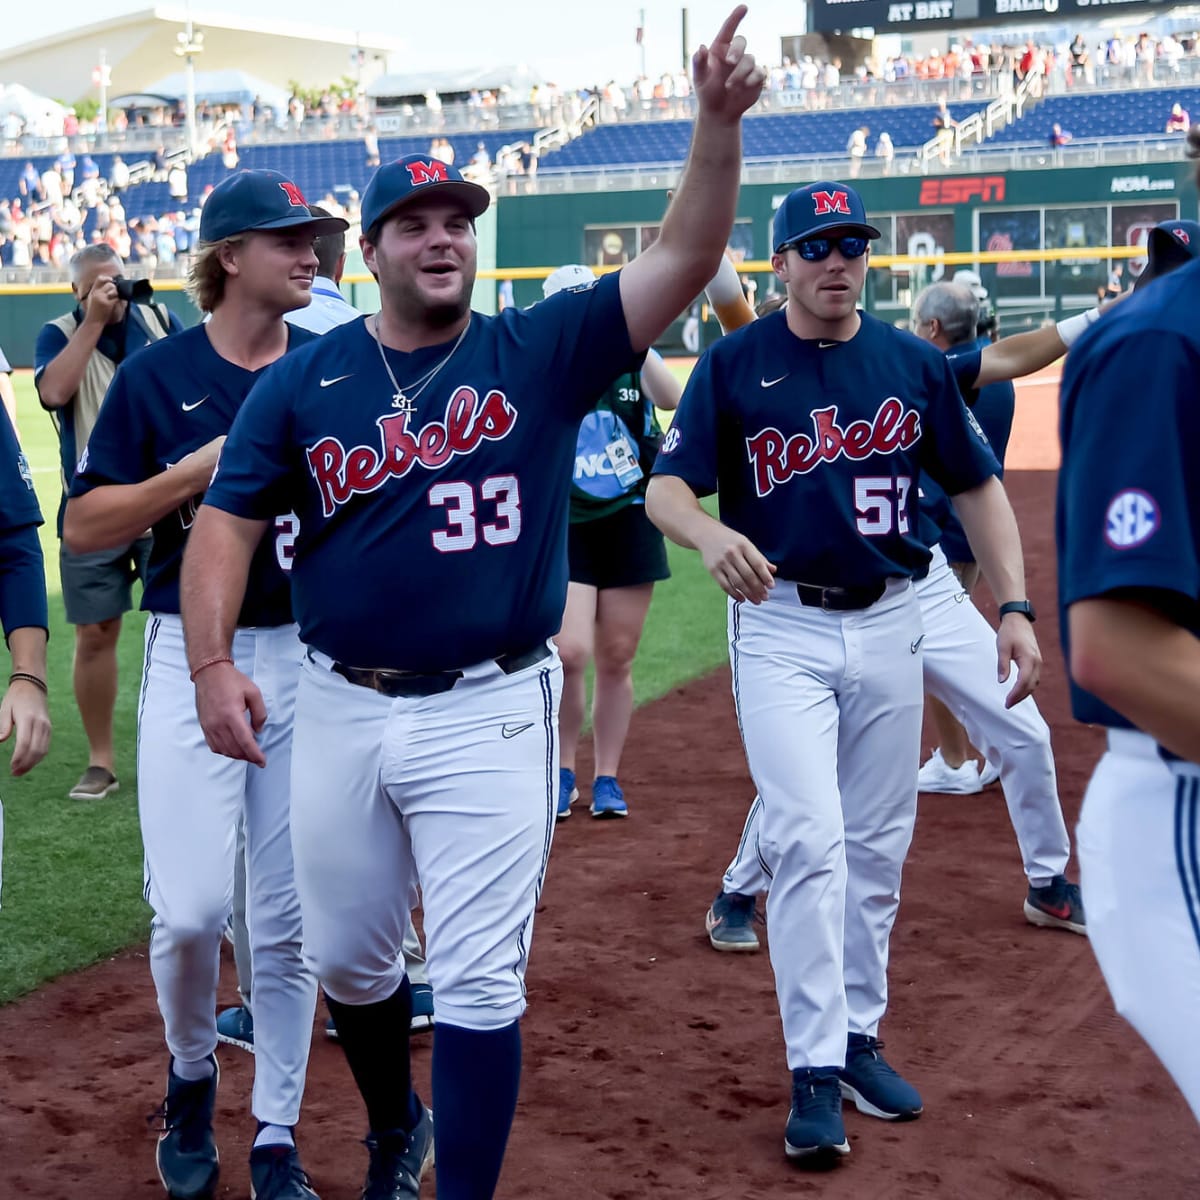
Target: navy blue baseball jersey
117 342
993 407
816 446
22 574
166 401
1128 521
432 540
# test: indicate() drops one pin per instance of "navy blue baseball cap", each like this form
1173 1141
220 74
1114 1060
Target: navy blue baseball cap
415 176
816 209
259 200
1171 244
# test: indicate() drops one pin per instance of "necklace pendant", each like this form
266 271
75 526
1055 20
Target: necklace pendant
403 404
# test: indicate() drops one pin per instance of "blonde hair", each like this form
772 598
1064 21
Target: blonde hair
206 276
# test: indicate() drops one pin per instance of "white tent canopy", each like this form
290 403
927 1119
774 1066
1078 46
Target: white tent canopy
43 117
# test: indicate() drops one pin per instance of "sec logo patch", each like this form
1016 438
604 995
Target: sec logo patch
1132 519
671 441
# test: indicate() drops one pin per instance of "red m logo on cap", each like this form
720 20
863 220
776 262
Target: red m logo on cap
1181 234
427 172
294 195
831 202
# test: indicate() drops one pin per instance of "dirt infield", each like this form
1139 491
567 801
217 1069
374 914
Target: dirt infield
653 1066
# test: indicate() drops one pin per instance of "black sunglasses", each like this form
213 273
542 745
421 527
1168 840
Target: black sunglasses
818 249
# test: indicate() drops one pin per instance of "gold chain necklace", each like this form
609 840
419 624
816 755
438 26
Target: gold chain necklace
401 399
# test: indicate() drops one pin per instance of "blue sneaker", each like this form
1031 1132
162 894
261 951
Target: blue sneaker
568 793
422 1007
607 798
235 1027
873 1086
399 1160
187 1159
276 1174
730 923
1058 905
815 1131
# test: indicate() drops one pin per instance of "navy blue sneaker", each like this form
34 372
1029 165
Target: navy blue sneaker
873 1086
422 1007
187 1158
568 793
730 923
607 798
276 1174
1058 905
235 1027
399 1160
815 1131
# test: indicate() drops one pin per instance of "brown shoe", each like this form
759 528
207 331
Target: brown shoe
94 784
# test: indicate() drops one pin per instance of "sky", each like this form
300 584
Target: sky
549 35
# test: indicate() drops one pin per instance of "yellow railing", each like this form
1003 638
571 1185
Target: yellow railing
953 258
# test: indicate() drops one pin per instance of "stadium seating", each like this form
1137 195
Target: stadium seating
318 167
1134 112
765 138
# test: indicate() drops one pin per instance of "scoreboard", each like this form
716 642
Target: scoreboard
908 16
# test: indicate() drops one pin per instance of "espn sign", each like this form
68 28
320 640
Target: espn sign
961 190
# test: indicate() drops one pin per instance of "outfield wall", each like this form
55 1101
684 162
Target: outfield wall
1055 209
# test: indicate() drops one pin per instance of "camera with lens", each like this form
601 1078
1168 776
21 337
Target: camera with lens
134 291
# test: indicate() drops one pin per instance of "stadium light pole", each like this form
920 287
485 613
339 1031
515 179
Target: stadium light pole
188 44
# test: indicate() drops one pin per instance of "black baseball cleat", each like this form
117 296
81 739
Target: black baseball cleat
398 1161
188 1163
276 1174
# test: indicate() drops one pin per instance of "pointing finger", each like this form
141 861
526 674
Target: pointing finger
730 27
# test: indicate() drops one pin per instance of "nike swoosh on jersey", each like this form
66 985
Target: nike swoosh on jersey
915 646
827 345
771 382
188 407
330 382
511 731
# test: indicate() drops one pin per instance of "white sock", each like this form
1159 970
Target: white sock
274 1135
200 1068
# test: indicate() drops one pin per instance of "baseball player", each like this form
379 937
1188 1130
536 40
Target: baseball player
813 424
956 660
235 1026
23 615
149 458
615 556
428 452
951 768
1128 527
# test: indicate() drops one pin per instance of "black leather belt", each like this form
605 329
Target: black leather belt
415 684
840 599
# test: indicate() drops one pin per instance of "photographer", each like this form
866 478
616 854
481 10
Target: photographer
76 357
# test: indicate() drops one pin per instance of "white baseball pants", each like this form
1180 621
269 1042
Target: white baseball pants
459 790
829 705
190 801
1139 858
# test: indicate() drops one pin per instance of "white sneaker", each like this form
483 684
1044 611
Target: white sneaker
988 774
937 776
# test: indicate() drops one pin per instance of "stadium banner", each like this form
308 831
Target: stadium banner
895 16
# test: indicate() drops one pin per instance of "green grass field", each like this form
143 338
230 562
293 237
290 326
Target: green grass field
72 870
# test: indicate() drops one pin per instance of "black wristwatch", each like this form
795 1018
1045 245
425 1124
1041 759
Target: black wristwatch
1019 606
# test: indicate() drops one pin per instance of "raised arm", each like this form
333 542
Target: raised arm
724 292
118 513
659 284
660 383
1024 353
212 585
